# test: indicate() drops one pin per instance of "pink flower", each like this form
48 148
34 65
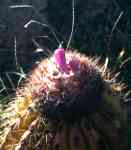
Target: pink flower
74 64
60 60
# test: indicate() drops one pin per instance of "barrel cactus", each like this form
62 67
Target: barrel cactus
68 102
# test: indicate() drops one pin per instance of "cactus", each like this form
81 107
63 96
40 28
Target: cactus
68 102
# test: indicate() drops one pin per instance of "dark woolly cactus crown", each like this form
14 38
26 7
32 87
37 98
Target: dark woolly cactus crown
67 86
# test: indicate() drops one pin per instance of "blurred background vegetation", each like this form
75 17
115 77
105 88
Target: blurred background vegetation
102 28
